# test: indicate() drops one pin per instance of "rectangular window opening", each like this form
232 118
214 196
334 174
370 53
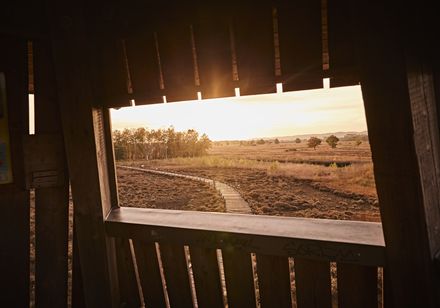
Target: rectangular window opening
315 135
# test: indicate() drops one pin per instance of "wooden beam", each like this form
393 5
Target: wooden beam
396 144
86 149
320 239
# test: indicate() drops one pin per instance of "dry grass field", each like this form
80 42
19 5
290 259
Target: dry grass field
272 178
346 151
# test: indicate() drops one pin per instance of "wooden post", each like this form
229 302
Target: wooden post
86 150
405 169
51 203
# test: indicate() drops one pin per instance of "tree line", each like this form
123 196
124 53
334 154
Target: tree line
142 143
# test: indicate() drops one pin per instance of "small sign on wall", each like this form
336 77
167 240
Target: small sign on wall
5 153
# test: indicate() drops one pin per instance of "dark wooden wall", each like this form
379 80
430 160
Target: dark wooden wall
391 53
14 198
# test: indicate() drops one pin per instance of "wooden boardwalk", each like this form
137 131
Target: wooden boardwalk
234 203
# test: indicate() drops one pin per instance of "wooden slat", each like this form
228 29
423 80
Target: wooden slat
387 296
14 199
345 241
144 68
51 203
149 273
86 153
342 57
312 280
213 48
357 286
253 33
239 278
176 275
300 44
274 281
175 50
110 73
206 276
23 19
106 54
78 300
129 291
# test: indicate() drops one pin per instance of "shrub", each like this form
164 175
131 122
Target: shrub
313 142
332 141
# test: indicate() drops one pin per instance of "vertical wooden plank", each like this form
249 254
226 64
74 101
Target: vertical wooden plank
255 52
144 68
207 277
14 198
86 150
342 57
213 48
312 280
176 275
149 274
51 203
78 300
300 36
239 278
387 296
357 286
108 70
384 81
127 279
274 281
175 51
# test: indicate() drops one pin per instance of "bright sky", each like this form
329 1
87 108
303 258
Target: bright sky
246 117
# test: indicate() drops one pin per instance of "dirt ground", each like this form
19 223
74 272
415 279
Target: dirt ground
266 195
140 189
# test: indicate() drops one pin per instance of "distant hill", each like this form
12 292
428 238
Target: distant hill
347 136
321 136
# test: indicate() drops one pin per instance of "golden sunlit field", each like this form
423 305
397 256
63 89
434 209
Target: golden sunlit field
346 151
286 178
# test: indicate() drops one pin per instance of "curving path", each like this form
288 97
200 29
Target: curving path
234 203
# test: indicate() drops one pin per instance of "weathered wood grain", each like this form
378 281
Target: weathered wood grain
395 145
206 277
321 239
357 286
149 274
239 278
274 281
86 151
312 280
176 275
129 291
